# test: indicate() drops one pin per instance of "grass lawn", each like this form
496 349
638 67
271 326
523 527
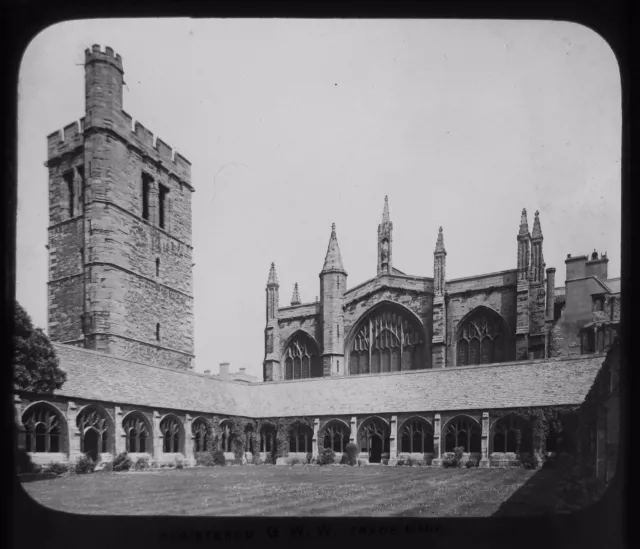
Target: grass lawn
298 491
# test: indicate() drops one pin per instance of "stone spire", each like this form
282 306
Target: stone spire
440 243
273 277
524 224
385 242
295 298
537 231
333 259
385 211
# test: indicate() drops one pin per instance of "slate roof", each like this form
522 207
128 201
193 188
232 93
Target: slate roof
97 376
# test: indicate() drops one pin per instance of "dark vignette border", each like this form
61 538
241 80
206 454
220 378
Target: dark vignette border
31 525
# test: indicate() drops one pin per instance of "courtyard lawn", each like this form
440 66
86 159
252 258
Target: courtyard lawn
291 491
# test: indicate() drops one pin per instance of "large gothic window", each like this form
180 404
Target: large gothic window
336 436
387 340
481 339
138 433
42 429
416 436
94 431
512 434
171 431
465 432
302 358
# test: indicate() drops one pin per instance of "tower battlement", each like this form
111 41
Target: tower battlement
96 54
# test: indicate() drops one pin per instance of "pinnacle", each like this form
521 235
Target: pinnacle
537 230
333 259
440 242
524 224
385 211
295 298
273 277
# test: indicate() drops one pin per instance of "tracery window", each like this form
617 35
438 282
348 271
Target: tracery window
300 438
512 434
200 431
138 433
389 340
170 429
42 429
373 435
302 358
416 436
336 436
268 438
463 432
94 431
226 437
481 339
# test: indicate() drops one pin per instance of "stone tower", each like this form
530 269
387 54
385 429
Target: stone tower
271 364
333 284
439 340
385 242
522 299
120 248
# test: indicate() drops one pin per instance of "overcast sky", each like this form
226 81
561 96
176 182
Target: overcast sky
292 125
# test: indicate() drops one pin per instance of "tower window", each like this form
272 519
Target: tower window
71 195
157 266
162 202
158 332
338 365
146 188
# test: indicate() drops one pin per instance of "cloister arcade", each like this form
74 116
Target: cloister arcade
50 434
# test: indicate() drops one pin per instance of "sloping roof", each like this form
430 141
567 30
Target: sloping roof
507 385
97 376
614 285
397 271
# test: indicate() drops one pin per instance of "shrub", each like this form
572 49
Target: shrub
327 457
218 458
85 465
107 466
472 462
179 462
530 462
268 460
205 459
458 451
352 451
309 457
449 461
58 468
400 462
409 462
142 464
256 459
122 462
294 461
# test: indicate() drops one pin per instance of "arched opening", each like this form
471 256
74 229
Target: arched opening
373 437
201 434
512 434
92 443
43 424
481 338
92 422
465 432
226 437
300 438
138 433
171 430
336 436
268 443
302 357
388 338
416 436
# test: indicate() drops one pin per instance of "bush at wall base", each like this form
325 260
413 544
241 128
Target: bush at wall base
85 465
122 462
326 457
351 453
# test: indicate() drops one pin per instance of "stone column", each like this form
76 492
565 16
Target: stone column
484 458
353 425
437 450
393 441
120 437
73 438
188 441
157 437
314 440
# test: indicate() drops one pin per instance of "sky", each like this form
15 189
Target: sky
292 125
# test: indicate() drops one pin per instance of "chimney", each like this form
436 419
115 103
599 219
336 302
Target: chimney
551 286
207 372
576 266
224 370
597 266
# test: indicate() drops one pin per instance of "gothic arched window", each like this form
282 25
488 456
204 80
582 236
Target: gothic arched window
201 434
416 436
300 438
373 437
94 431
336 436
465 432
43 432
171 430
481 339
512 434
302 358
389 339
138 432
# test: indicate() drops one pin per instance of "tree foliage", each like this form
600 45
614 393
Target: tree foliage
35 363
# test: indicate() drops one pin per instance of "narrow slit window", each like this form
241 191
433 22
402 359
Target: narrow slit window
71 198
338 365
158 332
162 205
146 189
157 266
